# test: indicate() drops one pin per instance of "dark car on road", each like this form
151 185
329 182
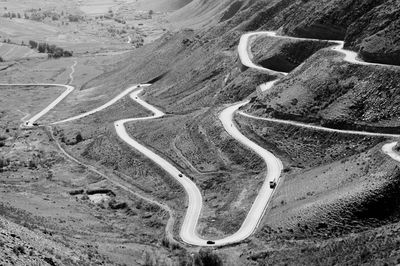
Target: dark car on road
209 242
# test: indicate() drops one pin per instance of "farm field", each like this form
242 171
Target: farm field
11 52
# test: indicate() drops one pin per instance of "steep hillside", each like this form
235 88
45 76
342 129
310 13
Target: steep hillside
376 34
332 187
175 52
160 5
334 93
284 55
203 13
367 26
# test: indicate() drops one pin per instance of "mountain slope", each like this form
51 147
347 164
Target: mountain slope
204 13
160 5
195 72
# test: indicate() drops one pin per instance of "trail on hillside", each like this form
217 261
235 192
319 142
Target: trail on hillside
188 231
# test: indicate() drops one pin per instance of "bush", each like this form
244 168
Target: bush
33 44
73 18
42 47
57 52
18 250
3 162
53 51
207 257
67 53
32 164
37 17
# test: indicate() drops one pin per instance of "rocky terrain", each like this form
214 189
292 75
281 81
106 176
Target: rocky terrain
336 202
336 94
284 55
375 34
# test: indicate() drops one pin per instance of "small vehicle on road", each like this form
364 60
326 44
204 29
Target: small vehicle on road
35 124
272 184
180 175
209 242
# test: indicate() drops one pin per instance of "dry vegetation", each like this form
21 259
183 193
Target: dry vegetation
337 202
334 93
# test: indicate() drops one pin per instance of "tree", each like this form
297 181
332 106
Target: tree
42 47
33 44
67 53
73 18
51 48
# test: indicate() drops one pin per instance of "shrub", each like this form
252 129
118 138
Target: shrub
32 164
207 257
53 51
67 53
57 52
36 17
73 18
42 47
33 44
3 162
18 250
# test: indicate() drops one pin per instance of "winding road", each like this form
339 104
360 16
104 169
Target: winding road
389 150
104 106
68 90
246 56
188 232
195 200
320 128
